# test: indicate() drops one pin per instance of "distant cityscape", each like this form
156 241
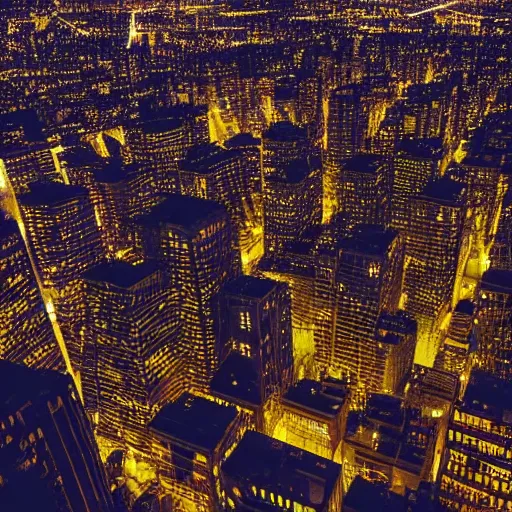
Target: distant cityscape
255 255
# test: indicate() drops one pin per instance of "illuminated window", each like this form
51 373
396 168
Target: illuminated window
245 321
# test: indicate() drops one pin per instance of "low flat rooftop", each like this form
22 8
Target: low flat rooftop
250 286
386 409
465 307
194 420
190 213
497 280
271 464
121 273
311 395
237 380
434 382
51 194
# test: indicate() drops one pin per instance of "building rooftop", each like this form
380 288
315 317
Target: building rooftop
490 161
189 213
465 307
121 273
27 120
366 496
237 380
20 384
392 327
250 286
365 163
194 420
497 280
445 191
162 125
51 194
8 226
242 139
312 395
434 383
284 131
112 172
370 239
297 170
204 158
488 396
272 465
80 157
386 409
421 148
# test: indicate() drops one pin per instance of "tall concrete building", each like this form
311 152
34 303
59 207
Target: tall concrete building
369 280
437 250
26 332
292 202
414 165
132 358
493 330
193 239
255 321
365 190
49 459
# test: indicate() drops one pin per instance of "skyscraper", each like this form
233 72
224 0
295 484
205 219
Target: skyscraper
346 123
255 321
368 280
282 143
476 467
26 332
193 239
365 190
437 250
454 354
494 329
48 456
62 231
209 171
26 154
132 358
396 342
292 202
64 239
156 145
109 196
415 164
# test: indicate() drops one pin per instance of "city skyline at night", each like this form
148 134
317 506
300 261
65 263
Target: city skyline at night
255 255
